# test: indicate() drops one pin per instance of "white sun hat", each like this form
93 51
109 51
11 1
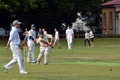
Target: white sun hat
16 22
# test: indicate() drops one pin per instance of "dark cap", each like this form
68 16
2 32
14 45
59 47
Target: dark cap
33 25
41 32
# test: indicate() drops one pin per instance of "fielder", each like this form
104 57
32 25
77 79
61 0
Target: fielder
91 38
56 38
69 37
14 42
87 38
31 44
45 46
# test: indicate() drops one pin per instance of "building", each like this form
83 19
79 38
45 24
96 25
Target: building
111 17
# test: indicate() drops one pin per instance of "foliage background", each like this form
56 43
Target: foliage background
46 13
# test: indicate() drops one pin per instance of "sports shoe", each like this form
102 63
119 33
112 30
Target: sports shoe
33 62
23 72
38 62
52 47
5 69
45 63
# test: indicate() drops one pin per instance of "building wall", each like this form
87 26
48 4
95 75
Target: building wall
118 9
118 23
108 18
118 20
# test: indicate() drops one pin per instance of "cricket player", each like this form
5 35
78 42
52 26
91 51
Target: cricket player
87 38
31 44
91 38
45 46
56 40
39 30
69 37
14 42
44 31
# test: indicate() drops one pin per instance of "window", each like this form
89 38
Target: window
111 21
104 21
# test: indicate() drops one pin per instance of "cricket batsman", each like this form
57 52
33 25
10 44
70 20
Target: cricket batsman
45 47
31 44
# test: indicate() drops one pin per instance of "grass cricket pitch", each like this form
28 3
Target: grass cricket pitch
80 63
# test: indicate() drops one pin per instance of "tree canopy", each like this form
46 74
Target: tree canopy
48 12
27 5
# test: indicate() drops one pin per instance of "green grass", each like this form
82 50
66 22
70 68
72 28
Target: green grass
80 63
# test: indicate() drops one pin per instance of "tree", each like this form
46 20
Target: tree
48 12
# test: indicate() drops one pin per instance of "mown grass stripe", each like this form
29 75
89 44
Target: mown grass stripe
94 63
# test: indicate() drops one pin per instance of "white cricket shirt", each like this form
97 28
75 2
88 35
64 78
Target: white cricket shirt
91 34
69 33
87 35
14 36
56 35
45 38
32 33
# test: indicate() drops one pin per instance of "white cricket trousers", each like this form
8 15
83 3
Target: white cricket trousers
17 58
69 42
44 51
56 41
31 46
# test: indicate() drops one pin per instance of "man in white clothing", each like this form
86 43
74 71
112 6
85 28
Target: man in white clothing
56 40
91 38
14 42
45 46
69 37
31 44
87 38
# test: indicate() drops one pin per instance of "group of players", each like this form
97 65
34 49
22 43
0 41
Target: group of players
45 40
42 39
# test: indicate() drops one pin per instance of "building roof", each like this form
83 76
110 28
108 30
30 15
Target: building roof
112 2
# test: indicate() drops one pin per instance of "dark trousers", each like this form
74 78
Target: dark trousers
85 41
